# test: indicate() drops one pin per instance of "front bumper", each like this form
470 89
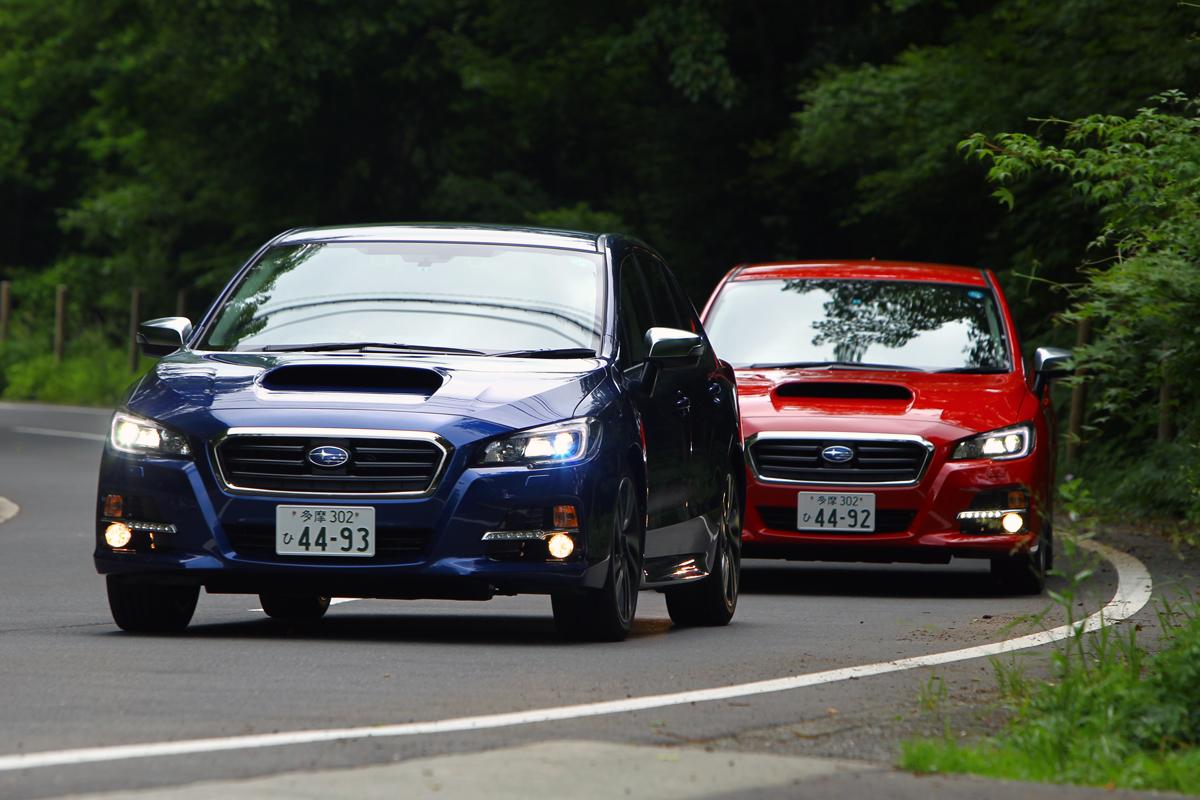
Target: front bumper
445 555
916 523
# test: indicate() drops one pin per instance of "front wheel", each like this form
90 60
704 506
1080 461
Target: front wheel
150 608
606 615
1024 573
712 600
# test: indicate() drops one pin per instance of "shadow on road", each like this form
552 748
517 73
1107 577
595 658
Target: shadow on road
386 626
823 579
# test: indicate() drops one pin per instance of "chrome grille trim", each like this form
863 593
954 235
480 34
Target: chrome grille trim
837 436
336 433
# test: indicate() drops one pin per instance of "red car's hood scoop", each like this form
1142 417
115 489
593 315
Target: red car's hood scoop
836 390
362 378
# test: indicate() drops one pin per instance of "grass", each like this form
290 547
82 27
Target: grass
92 372
1111 715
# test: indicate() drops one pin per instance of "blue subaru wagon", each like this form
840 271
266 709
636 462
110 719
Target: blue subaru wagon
429 412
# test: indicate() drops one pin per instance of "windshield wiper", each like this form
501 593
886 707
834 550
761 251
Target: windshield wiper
549 352
834 365
364 347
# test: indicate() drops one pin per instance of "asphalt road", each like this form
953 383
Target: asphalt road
70 679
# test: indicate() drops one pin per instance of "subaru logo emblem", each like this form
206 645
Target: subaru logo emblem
328 456
837 454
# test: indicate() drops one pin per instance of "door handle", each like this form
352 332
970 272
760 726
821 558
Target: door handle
683 404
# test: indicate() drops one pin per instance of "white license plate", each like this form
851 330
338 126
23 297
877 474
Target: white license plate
325 531
827 511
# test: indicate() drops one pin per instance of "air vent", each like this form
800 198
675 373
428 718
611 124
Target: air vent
828 390
353 378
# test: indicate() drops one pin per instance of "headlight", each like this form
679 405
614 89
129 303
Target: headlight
133 434
998 445
561 443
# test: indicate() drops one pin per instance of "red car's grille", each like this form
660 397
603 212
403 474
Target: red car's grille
870 461
374 465
887 520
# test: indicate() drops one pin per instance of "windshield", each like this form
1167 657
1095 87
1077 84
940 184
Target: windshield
907 324
426 295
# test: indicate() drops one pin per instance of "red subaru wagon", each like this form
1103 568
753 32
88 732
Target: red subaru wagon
889 416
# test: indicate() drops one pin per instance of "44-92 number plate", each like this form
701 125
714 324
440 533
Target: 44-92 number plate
826 511
325 531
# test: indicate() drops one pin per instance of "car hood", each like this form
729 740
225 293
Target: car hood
460 397
940 407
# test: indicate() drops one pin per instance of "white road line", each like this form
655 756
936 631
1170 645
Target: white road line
8 509
1133 592
93 437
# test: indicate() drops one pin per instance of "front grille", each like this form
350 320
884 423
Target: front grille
376 465
887 520
391 544
874 461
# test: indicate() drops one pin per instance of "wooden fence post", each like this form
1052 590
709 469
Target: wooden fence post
135 313
60 321
1166 423
5 308
181 303
1078 398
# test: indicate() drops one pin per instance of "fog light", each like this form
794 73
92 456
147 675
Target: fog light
1012 522
565 516
560 545
117 535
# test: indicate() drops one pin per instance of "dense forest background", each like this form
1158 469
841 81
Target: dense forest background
156 145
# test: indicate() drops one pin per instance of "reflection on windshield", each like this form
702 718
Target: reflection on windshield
474 297
904 323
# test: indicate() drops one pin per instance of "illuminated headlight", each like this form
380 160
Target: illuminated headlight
133 434
1005 443
561 443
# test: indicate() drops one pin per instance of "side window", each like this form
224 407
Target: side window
635 314
665 295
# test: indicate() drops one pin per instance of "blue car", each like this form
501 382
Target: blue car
429 412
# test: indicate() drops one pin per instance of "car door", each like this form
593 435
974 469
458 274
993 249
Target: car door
709 417
666 429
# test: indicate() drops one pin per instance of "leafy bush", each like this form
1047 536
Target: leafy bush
92 372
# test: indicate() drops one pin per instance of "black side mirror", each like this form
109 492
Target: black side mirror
159 337
671 347
1050 364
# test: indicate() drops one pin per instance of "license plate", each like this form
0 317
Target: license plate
325 531
824 511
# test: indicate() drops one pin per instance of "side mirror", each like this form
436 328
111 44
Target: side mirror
158 337
671 347
1049 364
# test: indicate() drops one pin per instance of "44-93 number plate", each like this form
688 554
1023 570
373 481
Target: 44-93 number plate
325 531
826 511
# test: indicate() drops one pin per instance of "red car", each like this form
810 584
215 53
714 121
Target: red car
889 416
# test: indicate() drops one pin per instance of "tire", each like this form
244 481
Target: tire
712 601
1024 573
150 608
606 614
294 607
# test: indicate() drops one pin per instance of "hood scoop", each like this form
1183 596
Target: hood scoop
830 390
356 378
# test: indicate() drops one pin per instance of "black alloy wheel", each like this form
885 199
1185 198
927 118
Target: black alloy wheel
1024 573
606 614
140 607
712 600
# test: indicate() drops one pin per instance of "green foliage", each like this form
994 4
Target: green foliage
1142 174
91 373
1111 715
